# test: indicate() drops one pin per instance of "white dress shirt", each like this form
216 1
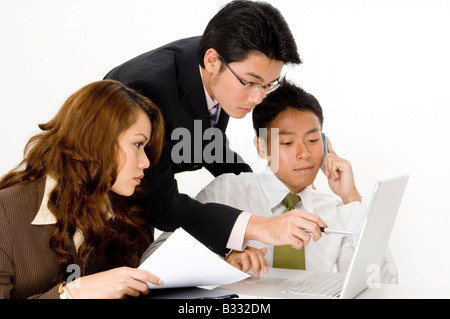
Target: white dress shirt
263 193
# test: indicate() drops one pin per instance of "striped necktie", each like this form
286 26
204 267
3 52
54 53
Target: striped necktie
213 113
286 256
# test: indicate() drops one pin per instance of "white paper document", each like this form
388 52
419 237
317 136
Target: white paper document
182 261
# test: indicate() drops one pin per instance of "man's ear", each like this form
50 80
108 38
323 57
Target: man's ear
261 147
211 60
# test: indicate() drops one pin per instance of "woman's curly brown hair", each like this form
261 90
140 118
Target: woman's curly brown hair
79 149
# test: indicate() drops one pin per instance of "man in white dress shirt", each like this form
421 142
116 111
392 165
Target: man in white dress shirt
288 125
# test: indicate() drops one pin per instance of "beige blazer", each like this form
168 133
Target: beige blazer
28 268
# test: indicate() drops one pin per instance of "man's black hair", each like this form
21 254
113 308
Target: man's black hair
288 95
242 27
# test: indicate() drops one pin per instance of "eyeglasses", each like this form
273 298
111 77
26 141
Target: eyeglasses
250 85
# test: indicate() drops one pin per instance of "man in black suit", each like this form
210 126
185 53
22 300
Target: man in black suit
227 72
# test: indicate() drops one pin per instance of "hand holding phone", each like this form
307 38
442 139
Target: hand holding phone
340 175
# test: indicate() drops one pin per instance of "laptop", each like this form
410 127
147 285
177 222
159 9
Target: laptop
370 250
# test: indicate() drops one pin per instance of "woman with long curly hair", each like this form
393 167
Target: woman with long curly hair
67 209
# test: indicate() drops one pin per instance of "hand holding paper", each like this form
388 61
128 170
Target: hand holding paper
182 261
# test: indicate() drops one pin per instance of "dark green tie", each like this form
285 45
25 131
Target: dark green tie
286 256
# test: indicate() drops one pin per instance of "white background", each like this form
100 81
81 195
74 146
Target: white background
380 70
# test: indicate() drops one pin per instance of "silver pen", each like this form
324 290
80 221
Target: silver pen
334 231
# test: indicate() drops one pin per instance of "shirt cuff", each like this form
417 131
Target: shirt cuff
236 240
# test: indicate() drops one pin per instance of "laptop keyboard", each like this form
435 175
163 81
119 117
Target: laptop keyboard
318 285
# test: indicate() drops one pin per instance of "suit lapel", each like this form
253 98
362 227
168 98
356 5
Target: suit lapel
223 120
48 231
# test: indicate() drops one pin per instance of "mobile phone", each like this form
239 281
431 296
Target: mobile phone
325 148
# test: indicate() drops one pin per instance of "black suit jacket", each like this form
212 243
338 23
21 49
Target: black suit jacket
170 77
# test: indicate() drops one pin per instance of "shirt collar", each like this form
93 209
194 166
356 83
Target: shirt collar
44 216
275 190
210 102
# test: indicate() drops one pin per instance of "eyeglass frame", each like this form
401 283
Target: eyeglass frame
250 84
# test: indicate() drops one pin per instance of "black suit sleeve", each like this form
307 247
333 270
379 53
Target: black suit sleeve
168 209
